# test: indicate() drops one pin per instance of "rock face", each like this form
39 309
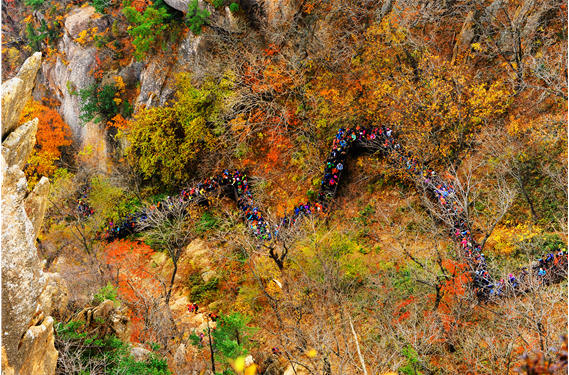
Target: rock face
55 295
19 144
114 319
11 100
38 343
17 91
152 82
71 73
157 78
466 36
196 255
181 5
139 353
36 203
298 370
27 330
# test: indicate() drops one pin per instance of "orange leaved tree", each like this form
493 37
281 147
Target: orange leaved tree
140 289
53 134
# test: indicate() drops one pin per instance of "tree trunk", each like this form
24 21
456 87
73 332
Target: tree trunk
171 283
528 199
210 348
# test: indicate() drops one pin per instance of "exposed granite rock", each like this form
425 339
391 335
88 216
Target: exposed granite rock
17 91
139 353
19 144
70 73
279 16
55 295
180 355
181 5
152 82
27 331
131 73
36 204
107 318
297 370
103 310
12 104
6 368
28 73
466 36
249 360
38 343
22 278
94 139
78 19
196 255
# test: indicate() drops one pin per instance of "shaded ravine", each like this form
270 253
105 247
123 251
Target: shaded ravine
550 269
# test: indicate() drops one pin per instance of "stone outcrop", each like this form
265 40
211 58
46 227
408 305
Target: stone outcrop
466 36
6 368
296 370
17 91
10 99
157 79
107 318
181 5
139 353
19 144
38 344
197 255
27 330
55 295
36 204
71 72
152 82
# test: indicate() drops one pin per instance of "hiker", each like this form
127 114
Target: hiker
512 280
193 307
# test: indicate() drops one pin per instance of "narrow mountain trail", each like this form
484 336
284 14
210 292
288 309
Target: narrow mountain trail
552 268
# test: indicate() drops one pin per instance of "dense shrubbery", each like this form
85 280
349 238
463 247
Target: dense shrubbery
85 353
165 141
196 17
207 222
44 34
152 27
100 5
98 100
148 28
36 4
112 202
230 341
102 102
108 292
201 290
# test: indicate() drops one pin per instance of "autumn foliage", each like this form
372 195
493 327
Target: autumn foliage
129 261
52 136
477 91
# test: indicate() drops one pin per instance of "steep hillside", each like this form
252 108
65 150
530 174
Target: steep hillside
284 187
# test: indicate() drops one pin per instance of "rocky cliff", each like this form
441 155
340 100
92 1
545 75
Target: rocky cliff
27 328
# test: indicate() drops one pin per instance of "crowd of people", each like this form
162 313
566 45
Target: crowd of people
83 208
553 268
235 184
